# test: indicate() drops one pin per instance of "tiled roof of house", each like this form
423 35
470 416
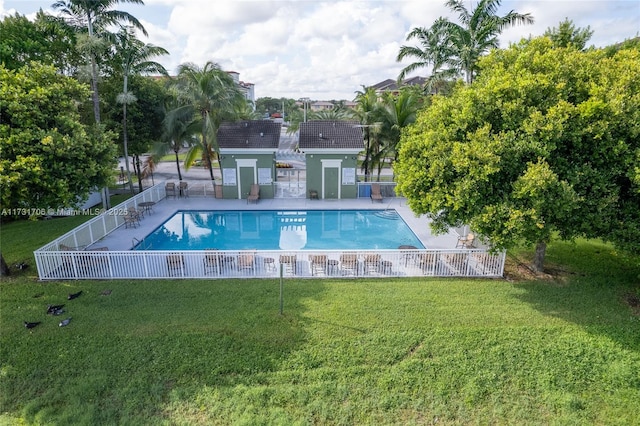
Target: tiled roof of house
390 84
331 135
249 134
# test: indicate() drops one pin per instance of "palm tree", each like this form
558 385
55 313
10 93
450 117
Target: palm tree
132 58
366 112
453 49
178 130
333 114
396 112
96 15
92 15
208 95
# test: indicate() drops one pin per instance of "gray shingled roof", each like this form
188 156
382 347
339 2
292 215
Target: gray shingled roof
390 84
249 134
331 135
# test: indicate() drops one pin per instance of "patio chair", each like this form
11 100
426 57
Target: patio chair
175 264
131 219
289 263
376 194
319 263
170 189
254 193
136 212
183 189
372 263
349 264
467 241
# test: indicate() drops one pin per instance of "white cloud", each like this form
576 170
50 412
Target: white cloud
328 49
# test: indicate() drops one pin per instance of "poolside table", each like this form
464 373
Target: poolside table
147 206
408 256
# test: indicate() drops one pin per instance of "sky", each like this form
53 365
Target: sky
329 50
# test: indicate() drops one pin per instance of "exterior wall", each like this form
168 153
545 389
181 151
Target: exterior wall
316 171
239 163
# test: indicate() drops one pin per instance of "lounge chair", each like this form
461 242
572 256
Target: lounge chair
289 263
175 264
318 263
212 262
254 193
246 261
372 263
376 194
426 261
456 262
349 263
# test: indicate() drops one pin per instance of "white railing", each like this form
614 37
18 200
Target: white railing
97 227
96 264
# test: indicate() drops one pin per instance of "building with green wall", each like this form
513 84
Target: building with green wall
331 151
247 156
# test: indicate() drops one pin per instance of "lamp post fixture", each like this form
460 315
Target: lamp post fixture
304 104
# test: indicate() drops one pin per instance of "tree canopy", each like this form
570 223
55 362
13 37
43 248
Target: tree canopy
48 159
47 39
545 143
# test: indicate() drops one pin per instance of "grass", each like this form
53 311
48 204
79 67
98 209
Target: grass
406 351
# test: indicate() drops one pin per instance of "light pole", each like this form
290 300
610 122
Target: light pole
304 105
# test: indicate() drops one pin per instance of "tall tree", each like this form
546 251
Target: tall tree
208 95
133 57
534 149
566 34
396 112
366 112
178 131
48 158
95 16
453 49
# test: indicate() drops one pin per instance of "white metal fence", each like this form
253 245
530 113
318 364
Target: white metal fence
97 264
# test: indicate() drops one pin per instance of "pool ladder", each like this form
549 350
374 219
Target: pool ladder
135 242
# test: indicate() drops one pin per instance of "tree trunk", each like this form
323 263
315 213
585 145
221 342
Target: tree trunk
4 268
106 200
125 134
178 165
205 147
538 258
138 171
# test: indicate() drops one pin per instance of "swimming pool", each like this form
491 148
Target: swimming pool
281 230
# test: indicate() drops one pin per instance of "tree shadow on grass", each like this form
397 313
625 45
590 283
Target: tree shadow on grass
592 286
148 349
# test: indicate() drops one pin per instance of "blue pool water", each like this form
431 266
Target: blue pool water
281 230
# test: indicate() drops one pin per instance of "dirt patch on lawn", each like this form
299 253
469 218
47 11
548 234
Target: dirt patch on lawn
633 300
517 269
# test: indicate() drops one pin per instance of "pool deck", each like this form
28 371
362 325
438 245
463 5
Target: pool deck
125 238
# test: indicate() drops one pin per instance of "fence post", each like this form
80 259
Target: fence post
281 290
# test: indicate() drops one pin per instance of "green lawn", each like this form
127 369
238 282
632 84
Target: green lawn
411 351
